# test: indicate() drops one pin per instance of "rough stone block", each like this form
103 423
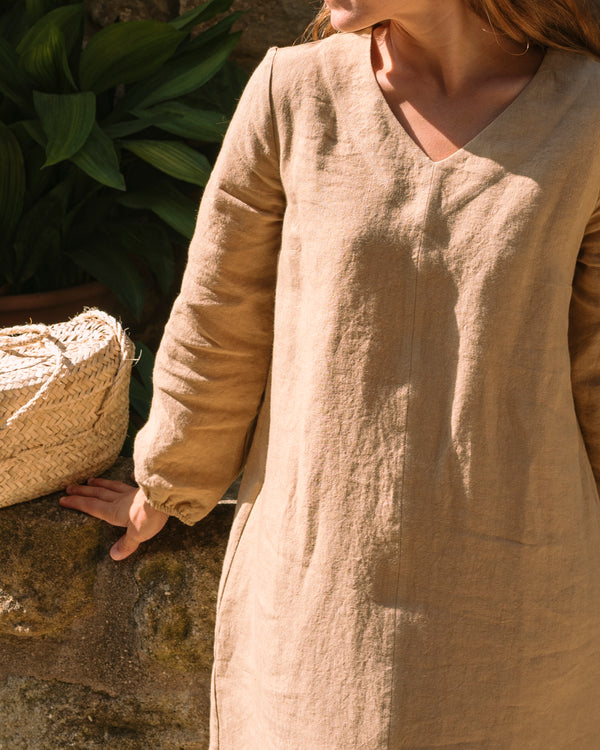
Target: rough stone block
97 654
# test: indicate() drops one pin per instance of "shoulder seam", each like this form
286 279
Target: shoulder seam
272 52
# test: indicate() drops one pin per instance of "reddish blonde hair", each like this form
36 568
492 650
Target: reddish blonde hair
564 24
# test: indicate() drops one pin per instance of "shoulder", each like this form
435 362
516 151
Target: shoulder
296 89
313 55
320 66
566 111
576 112
311 83
576 78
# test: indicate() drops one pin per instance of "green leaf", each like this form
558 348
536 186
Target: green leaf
173 158
39 181
141 385
13 21
68 19
67 120
38 234
179 76
99 159
219 29
37 8
222 92
111 266
88 213
203 12
144 366
126 52
14 84
46 60
168 203
179 118
138 398
150 243
157 253
35 131
128 127
12 181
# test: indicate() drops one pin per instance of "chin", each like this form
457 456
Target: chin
344 21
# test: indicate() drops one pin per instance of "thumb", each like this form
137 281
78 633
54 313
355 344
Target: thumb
123 547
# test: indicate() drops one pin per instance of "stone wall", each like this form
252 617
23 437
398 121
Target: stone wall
265 23
97 654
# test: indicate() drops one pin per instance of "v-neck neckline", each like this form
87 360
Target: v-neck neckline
395 126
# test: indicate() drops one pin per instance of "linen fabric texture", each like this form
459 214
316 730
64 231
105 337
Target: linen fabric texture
405 355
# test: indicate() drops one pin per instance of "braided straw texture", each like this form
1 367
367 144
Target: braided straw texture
64 403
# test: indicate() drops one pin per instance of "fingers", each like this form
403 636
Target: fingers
121 505
111 484
144 523
96 507
102 498
123 547
104 489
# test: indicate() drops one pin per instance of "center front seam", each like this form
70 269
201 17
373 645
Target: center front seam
392 692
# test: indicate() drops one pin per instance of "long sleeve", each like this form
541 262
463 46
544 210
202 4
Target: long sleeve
213 361
584 341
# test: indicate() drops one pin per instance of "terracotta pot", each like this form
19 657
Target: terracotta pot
55 306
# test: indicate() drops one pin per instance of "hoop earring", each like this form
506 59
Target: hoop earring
492 29
520 54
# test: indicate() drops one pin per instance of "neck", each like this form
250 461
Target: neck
452 45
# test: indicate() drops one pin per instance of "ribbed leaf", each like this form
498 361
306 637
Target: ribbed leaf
12 182
141 385
141 381
156 250
13 21
99 159
173 158
179 76
168 203
186 121
13 81
38 181
38 233
37 8
138 399
126 52
219 29
35 131
202 12
176 118
150 243
67 120
128 127
145 365
89 214
46 60
67 18
112 267
222 92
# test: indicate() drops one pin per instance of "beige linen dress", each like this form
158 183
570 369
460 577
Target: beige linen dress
415 557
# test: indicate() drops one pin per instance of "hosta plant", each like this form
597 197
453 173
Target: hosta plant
105 146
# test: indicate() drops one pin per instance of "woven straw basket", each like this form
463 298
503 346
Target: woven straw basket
64 396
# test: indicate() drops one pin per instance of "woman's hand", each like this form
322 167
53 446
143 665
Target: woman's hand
121 505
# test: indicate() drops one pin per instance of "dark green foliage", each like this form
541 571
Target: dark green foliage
104 148
140 394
